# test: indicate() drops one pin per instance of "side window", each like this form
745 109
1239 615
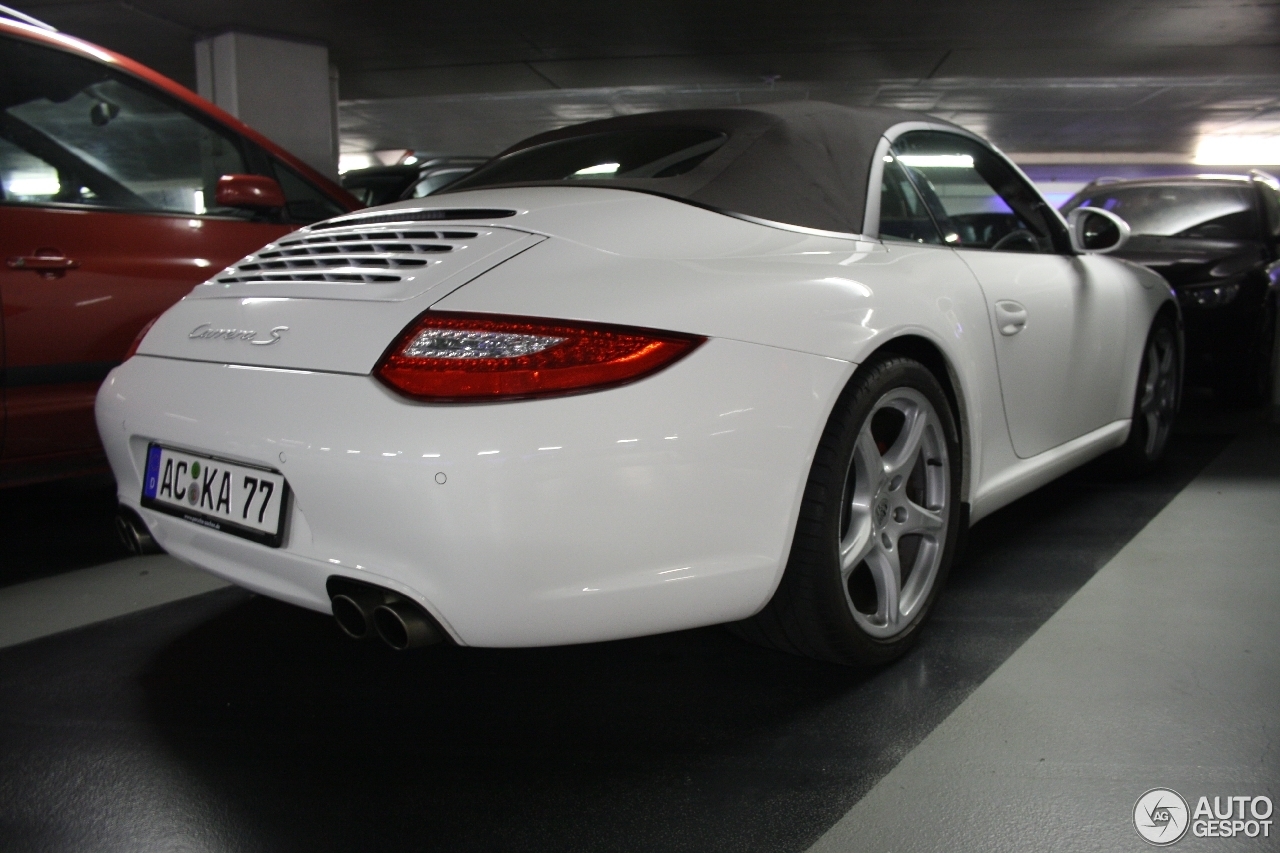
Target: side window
75 132
978 201
903 215
304 202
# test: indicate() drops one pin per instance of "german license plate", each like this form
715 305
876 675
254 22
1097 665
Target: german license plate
239 499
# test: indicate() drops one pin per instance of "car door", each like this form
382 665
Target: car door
107 217
1058 322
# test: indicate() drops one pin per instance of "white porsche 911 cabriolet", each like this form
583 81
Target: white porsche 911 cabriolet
757 366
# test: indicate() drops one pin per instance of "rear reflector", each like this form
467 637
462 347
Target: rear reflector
451 357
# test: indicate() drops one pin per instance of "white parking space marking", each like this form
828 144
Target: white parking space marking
50 605
1162 671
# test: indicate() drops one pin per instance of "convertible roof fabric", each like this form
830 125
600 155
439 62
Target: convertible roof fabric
801 163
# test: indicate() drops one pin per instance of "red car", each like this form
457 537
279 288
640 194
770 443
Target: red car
119 191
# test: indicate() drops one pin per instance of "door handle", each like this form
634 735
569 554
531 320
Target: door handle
1011 317
48 263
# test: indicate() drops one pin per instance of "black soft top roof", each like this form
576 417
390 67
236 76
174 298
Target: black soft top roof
801 163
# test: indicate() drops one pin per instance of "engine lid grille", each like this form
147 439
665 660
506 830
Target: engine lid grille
361 257
367 262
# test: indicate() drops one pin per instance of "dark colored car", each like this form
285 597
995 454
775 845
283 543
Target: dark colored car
384 184
120 190
1216 240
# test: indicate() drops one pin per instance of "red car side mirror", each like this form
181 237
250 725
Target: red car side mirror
254 191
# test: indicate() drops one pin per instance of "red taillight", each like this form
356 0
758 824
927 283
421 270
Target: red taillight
137 342
446 357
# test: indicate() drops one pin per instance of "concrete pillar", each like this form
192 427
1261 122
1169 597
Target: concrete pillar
284 89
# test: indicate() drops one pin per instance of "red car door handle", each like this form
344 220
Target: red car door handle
49 263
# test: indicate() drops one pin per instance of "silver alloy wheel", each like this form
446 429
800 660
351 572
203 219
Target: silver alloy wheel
1158 396
895 513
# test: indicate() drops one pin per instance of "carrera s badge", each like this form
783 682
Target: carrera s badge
205 331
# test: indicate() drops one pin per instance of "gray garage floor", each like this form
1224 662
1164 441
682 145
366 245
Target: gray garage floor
1162 671
1100 624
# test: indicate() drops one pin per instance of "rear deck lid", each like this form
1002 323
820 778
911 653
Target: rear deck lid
333 296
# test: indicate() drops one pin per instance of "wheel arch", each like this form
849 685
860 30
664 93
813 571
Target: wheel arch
932 356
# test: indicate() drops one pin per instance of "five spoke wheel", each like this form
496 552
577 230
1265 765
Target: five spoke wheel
1158 394
894 515
878 523
1155 403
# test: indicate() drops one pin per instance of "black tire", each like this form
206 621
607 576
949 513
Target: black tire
1157 397
823 611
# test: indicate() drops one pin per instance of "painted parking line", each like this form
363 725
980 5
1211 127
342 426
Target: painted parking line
1163 671
50 605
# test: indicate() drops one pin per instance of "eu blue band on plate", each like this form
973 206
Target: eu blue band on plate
153 471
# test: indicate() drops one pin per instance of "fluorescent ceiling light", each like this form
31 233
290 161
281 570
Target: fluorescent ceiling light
1238 150
937 161
351 162
599 169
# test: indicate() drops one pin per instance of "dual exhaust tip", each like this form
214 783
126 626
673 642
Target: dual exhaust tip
133 533
363 610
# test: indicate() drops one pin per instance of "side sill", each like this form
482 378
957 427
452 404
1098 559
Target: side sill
1027 475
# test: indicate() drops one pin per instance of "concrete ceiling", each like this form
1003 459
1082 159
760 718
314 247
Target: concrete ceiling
1115 80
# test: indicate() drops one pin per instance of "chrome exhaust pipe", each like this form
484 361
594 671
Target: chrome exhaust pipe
404 625
133 533
353 611
363 610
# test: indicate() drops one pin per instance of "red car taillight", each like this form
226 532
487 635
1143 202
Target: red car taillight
448 357
137 341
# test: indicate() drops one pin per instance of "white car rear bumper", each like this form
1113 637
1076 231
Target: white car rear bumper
657 506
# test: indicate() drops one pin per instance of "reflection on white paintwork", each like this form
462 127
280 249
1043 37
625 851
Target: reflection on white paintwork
856 286
267 369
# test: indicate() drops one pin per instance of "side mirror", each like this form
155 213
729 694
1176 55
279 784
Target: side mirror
255 191
1096 230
